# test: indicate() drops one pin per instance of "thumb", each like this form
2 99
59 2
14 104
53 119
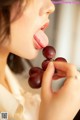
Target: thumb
46 91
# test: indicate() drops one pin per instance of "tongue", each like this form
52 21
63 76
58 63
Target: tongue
41 38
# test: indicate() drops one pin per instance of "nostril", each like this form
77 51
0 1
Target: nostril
51 10
48 8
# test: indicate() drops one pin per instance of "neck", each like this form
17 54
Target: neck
3 60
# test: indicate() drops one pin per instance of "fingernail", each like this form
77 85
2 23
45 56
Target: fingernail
50 64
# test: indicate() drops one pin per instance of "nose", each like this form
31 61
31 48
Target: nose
48 8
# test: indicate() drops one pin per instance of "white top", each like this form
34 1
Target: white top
21 104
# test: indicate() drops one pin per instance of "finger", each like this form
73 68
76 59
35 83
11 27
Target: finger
76 78
60 73
46 91
56 77
69 69
72 76
72 86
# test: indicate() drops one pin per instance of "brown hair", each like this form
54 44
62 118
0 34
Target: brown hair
5 11
14 61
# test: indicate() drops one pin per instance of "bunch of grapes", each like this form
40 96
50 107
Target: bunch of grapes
36 73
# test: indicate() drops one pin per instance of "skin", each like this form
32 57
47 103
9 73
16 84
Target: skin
65 103
67 99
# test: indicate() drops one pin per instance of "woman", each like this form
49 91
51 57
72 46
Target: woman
21 33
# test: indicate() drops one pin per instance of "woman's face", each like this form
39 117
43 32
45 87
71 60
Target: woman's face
27 38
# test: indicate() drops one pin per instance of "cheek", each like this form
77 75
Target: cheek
22 38
21 29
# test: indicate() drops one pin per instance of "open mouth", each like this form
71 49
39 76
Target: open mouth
40 38
45 26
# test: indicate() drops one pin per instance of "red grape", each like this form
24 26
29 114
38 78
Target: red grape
49 52
35 80
44 64
35 70
61 59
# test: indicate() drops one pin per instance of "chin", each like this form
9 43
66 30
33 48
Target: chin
32 57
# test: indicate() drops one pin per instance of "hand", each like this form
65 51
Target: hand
65 103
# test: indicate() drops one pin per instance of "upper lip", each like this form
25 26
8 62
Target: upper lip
45 25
